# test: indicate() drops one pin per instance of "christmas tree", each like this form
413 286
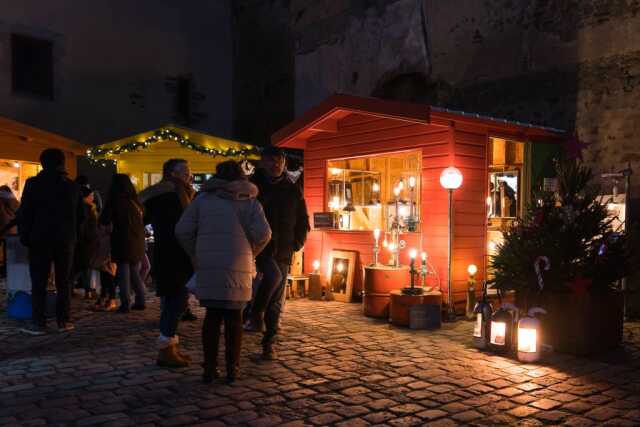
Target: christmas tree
564 242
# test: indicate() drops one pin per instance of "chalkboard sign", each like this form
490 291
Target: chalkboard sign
324 220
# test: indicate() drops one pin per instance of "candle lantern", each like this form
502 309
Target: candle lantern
482 328
471 291
529 336
502 325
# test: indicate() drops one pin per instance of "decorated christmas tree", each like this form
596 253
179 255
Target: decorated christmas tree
564 243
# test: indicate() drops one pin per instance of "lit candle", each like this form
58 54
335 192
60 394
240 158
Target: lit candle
376 235
316 266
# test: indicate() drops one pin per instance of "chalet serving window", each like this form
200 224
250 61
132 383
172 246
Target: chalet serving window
32 66
372 192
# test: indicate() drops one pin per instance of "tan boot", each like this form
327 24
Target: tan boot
176 341
168 357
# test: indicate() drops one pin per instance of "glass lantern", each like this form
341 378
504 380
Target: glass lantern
482 327
529 336
502 324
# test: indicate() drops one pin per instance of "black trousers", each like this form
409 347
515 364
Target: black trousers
232 336
40 261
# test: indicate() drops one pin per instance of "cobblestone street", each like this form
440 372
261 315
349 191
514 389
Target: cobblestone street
336 367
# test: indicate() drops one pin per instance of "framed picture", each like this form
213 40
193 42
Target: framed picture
342 265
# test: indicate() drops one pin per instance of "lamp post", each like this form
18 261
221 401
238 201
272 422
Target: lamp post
450 179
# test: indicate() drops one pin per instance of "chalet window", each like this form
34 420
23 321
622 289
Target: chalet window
32 66
505 195
360 191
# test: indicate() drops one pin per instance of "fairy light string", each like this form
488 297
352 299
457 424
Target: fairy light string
98 155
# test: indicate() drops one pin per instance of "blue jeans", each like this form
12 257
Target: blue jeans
128 276
270 296
172 307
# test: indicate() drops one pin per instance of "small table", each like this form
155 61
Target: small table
297 285
400 304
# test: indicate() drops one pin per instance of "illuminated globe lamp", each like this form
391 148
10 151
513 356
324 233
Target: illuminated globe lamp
450 179
502 324
529 336
482 327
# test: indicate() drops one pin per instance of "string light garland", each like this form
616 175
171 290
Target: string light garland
97 155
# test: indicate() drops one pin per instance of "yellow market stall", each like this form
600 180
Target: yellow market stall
141 156
20 148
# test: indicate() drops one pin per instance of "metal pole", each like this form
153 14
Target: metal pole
451 312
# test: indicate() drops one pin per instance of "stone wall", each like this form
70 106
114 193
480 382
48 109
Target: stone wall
572 64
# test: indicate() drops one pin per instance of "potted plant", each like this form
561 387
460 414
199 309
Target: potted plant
564 256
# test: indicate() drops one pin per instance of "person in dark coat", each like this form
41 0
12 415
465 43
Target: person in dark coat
48 220
286 213
164 203
87 241
124 213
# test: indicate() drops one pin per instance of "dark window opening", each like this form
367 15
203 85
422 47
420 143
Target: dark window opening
32 66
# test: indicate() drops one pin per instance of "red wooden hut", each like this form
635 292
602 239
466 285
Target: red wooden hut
357 150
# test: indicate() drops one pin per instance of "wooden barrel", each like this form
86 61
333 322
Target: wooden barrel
379 280
400 303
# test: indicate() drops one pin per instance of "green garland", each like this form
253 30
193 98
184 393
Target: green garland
163 135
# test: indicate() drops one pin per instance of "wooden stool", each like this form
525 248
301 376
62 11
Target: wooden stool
400 303
301 288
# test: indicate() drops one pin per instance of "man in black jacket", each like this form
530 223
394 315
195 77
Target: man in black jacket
48 219
286 212
164 203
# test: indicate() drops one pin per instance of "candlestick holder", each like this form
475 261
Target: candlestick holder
412 289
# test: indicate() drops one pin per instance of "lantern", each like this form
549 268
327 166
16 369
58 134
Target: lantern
482 328
529 336
502 324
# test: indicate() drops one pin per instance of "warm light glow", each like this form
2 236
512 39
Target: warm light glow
392 247
527 340
488 201
403 211
336 202
316 265
477 328
335 171
375 187
340 267
451 178
396 191
401 185
472 269
413 253
412 181
376 234
424 256
492 246
498 333
16 164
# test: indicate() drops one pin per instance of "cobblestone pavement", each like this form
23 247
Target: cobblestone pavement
336 367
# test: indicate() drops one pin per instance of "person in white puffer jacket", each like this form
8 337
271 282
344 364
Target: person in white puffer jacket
223 230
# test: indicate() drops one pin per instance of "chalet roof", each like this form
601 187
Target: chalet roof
32 135
325 116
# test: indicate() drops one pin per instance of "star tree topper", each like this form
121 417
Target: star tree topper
574 146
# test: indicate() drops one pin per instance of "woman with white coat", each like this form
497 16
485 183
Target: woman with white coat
223 230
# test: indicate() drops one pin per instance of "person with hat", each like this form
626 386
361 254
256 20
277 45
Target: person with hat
286 212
